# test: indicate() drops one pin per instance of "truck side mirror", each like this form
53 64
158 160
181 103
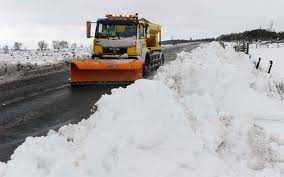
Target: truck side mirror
89 28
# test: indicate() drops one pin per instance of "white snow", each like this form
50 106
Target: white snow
198 117
274 52
14 63
2 168
213 81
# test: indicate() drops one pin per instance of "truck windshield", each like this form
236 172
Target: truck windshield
116 30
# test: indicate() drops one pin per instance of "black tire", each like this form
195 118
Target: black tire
146 66
74 86
146 71
162 59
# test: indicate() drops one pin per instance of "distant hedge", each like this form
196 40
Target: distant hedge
181 41
253 35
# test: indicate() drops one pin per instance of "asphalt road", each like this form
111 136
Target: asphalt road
33 107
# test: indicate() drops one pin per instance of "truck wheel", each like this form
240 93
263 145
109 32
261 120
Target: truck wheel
74 86
146 70
147 66
162 59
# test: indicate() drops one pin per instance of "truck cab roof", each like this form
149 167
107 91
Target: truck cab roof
122 21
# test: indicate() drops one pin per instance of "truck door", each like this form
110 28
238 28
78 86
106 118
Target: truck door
141 41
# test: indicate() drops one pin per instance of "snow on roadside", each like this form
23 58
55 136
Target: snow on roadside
225 76
2 168
211 81
272 52
131 132
14 63
267 51
195 119
42 57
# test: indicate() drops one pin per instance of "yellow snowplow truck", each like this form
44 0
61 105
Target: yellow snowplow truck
124 49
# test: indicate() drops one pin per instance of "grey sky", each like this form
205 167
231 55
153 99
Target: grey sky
33 20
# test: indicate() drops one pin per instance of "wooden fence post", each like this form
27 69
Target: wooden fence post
270 67
258 63
247 51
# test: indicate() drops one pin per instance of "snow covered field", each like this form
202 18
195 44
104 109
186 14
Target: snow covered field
202 116
274 52
14 63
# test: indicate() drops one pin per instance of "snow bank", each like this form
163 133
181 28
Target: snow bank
212 81
195 119
2 168
275 53
227 77
140 131
273 83
14 64
268 52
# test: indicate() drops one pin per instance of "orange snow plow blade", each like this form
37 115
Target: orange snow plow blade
105 71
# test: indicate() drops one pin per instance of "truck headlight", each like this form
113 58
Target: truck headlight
132 51
98 49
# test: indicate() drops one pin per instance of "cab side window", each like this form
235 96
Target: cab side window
141 32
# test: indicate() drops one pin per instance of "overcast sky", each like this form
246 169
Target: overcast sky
33 20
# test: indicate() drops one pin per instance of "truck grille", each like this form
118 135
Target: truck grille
114 51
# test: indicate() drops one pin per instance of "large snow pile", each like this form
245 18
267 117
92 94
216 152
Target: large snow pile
195 119
213 81
271 52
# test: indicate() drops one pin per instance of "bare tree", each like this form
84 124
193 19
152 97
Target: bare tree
42 45
17 46
57 45
63 44
271 25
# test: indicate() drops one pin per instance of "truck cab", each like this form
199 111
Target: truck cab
126 37
124 49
